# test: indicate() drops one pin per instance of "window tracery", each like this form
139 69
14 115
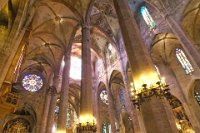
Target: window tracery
32 82
184 61
104 96
147 17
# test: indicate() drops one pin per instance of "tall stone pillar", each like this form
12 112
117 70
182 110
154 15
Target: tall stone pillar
45 111
131 110
86 109
158 116
96 107
111 107
51 114
64 94
142 69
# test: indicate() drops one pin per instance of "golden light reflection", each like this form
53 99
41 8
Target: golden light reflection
148 78
178 126
61 131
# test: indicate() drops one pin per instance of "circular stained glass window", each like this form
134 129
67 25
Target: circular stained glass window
32 82
104 96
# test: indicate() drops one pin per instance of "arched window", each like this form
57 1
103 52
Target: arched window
104 96
147 17
184 61
106 127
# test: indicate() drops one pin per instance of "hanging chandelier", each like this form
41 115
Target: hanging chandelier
86 127
147 92
87 123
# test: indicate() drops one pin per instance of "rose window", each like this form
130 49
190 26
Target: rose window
32 82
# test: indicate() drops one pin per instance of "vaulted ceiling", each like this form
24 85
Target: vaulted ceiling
57 22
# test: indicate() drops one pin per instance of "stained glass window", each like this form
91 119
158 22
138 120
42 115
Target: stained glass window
57 109
197 95
68 124
121 96
32 82
106 128
104 96
184 61
147 17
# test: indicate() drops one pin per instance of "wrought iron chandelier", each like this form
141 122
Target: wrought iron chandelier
160 90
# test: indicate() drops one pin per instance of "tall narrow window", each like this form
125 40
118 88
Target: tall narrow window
111 54
147 17
197 92
184 61
197 95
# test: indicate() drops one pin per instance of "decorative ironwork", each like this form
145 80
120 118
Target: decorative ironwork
161 90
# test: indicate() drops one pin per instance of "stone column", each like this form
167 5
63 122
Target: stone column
64 94
131 110
96 106
86 109
86 82
156 113
45 112
142 67
111 110
51 114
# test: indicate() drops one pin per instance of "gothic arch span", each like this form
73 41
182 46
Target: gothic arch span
163 47
116 78
191 21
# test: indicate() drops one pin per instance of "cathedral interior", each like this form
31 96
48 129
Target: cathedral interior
104 66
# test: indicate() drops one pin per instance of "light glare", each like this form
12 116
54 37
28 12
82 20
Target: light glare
75 69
